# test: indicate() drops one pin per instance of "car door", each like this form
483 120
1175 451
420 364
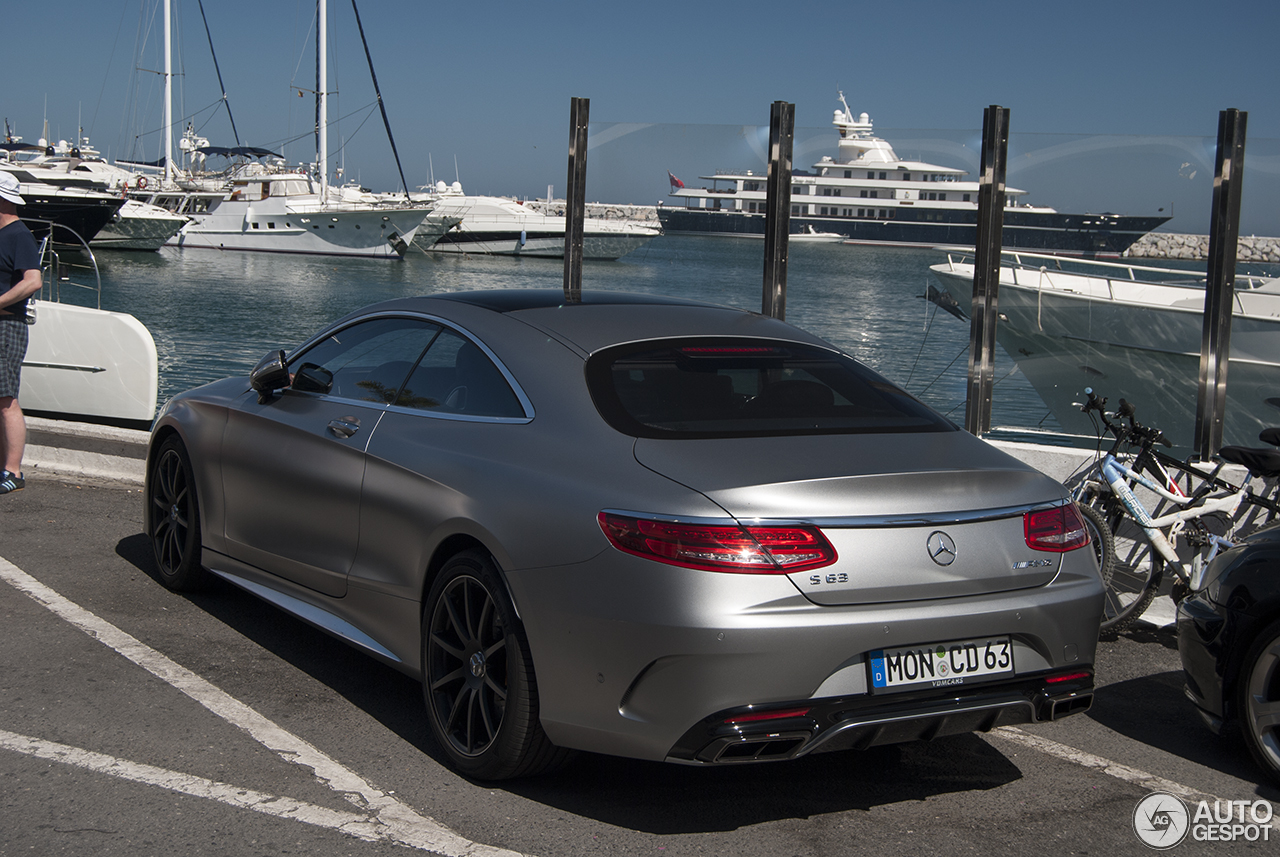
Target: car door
433 457
293 466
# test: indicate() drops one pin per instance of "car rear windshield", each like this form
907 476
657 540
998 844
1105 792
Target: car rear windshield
713 387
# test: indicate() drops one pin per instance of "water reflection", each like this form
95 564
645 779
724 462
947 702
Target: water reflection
214 314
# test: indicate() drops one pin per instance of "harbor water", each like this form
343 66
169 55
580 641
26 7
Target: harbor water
214 314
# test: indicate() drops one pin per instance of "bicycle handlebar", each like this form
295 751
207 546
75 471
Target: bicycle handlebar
1135 430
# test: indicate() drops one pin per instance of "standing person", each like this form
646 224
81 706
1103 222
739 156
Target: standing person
19 280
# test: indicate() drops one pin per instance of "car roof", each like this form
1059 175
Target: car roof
602 318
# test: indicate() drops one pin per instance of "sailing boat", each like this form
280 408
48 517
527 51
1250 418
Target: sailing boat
270 207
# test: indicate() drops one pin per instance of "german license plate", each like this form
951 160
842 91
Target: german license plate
940 664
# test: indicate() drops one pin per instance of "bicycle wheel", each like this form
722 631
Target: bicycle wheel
1104 546
1135 572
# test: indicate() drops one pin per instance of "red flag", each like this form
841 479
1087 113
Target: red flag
675 182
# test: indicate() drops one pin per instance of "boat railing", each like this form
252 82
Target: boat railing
1042 263
65 261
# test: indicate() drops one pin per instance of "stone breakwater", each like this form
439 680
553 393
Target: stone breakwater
1154 245
1173 245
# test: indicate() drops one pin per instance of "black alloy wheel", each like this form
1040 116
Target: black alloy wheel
175 517
478 676
1258 700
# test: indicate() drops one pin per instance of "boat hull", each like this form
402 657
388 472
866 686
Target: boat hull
1132 339
91 365
1071 233
274 228
1163 386
85 216
138 227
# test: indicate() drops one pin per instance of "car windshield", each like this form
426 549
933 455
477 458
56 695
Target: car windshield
718 387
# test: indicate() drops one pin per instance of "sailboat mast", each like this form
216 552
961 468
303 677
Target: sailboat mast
323 71
168 94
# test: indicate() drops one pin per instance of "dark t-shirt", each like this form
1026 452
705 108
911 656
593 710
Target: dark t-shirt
19 253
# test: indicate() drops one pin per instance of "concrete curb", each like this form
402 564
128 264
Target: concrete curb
83 451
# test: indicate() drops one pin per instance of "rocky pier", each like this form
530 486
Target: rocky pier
1174 245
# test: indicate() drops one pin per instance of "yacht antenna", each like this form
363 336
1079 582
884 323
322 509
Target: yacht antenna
168 94
381 104
430 165
222 87
322 61
845 104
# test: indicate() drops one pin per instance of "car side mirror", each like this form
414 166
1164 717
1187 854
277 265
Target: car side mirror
311 378
269 375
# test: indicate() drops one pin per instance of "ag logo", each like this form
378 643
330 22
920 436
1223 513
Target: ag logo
1161 820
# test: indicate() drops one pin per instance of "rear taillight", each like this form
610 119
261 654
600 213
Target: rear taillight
1059 529
739 549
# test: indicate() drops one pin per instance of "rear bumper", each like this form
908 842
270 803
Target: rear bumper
847 723
633 657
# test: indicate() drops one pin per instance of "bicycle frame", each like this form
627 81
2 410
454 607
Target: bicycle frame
1118 475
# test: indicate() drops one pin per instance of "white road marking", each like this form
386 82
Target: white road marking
1136 776
388 819
348 822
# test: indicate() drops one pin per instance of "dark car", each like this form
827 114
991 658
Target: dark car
632 525
1229 640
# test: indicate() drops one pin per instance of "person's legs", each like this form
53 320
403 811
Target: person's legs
13 434
13 427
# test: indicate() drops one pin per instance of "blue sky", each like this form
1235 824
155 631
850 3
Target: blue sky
486 85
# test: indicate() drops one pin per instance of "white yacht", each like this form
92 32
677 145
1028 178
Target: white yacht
287 212
874 197
498 225
135 224
1132 331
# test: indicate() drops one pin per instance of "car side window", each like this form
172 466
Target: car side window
366 361
456 377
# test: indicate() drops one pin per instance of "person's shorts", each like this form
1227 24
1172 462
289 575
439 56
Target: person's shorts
13 347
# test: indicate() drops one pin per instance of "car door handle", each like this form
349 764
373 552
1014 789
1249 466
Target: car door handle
344 427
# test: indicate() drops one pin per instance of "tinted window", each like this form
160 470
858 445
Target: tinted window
366 361
457 377
740 388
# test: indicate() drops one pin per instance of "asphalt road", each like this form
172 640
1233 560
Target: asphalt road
134 721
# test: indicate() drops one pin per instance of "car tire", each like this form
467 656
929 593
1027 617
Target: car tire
1258 700
478 680
1134 572
174 524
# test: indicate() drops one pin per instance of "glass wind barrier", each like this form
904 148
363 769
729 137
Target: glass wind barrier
881 260
892 301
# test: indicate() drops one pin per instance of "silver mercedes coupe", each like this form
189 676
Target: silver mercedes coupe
633 525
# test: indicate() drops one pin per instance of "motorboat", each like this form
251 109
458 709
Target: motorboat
870 194
78 207
1130 331
288 211
496 225
85 363
809 235
137 224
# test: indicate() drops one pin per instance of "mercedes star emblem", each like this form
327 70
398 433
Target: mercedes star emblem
942 549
